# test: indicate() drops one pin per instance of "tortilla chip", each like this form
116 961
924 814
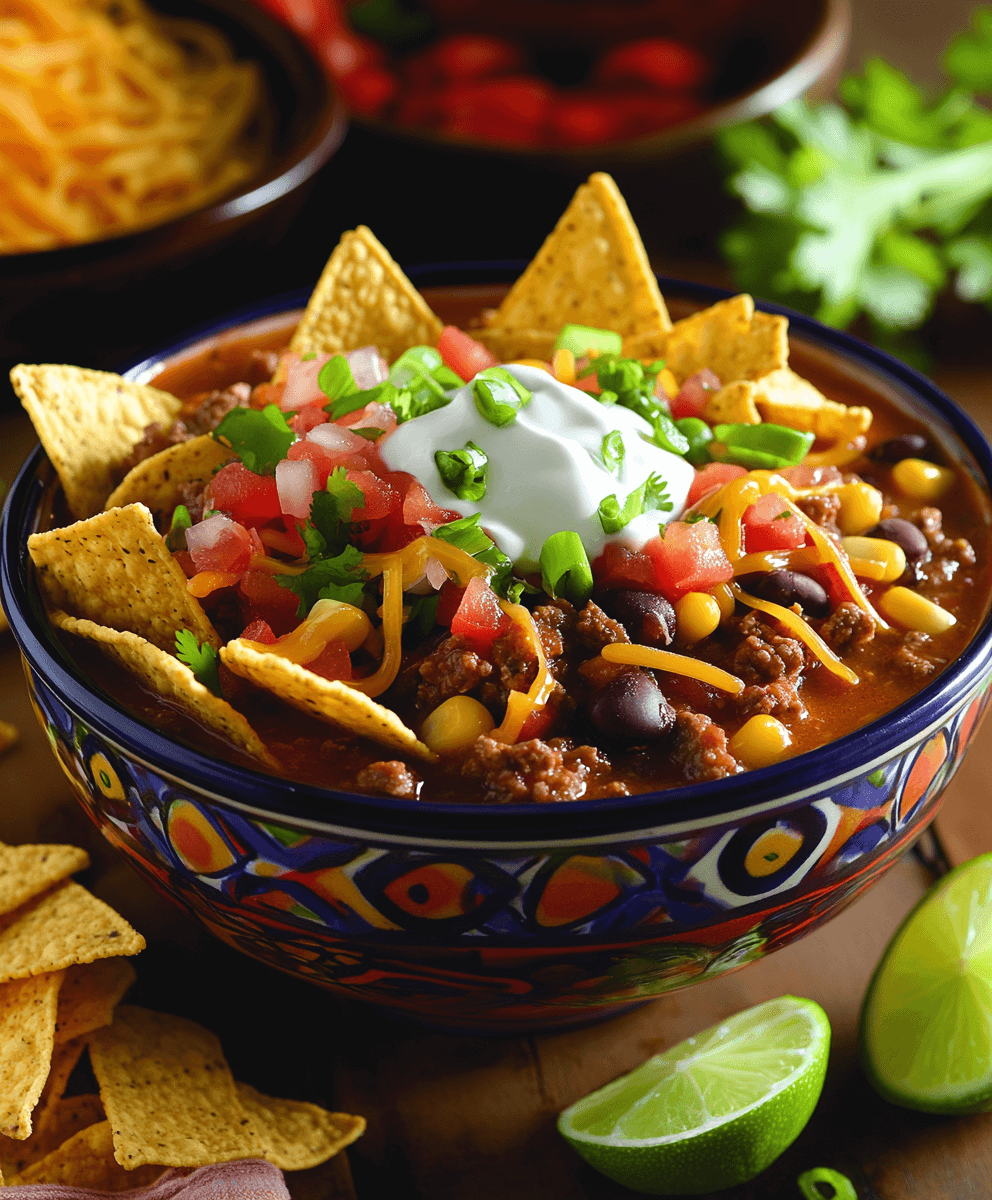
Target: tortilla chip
65 1056
169 1092
296 1135
69 1116
648 346
169 678
90 993
115 569
27 871
63 927
592 270
88 422
158 482
731 339
363 298
510 344
785 398
27 1037
86 1160
327 699
734 404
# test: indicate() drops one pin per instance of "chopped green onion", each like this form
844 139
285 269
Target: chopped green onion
651 496
761 446
698 434
613 452
466 535
498 396
175 539
667 435
426 381
565 569
581 339
464 472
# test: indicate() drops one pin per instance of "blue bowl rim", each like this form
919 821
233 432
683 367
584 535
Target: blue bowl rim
646 816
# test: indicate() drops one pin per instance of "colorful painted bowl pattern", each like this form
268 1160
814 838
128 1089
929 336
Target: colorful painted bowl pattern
540 937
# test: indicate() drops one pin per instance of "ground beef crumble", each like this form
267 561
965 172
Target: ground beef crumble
594 629
765 656
392 778
823 511
542 772
450 670
847 628
701 748
203 419
911 655
778 699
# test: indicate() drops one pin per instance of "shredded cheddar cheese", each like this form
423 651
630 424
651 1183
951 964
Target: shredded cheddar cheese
205 582
774 560
392 628
674 664
520 705
738 496
794 623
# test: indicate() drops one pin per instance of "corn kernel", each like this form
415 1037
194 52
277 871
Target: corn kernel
913 611
456 724
760 742
722 594
667 382
563 365
860 507
697 614
875 558
922 480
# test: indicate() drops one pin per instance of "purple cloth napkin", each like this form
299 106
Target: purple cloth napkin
247 1179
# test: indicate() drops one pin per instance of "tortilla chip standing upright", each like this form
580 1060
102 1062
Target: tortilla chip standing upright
363 298
731 339
115 569
88 422
592 270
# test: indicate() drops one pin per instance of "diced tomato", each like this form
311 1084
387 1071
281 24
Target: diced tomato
368 90
259 631
333 662
660 62
513 108
185 560
420 509
694 394
689 558
538 723
346 53
479 618
309 417
380 498
264 394
220 544
620 567
770 525
712 476
249 498
324 460
463 354
449 600
264 600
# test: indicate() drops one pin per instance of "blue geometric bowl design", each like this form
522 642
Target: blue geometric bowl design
514 917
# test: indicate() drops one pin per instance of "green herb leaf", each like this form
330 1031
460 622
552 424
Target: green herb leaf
613 452
425 380
370 435
464 472
175 539
201 660
466 535
421 618
259 439
651 496
498 396
340 577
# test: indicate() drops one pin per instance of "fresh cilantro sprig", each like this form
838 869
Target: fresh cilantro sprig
873 207
466 534
651 496
259 438
631 384
201 660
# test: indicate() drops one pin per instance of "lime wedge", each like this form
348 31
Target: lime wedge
926 1023
713 1111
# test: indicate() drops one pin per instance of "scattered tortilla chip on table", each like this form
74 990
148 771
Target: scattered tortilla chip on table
27 1038
158 482
68 1116
88 422
730 338
170 679
297 1135
115 569
592 270
86 1160
27 871
327 699
90 992
62 927
363 298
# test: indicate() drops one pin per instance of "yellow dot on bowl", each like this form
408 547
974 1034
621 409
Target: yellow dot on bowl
770 853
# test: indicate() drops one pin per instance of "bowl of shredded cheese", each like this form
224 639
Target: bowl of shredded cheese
138 134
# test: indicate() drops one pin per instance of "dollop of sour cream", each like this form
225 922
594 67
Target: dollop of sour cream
546 472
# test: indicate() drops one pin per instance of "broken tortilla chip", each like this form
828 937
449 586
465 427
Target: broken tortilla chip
785 398
158 482
169 1093
729 338
27 1037
69 1116
170 679
88 422
363 298
296 1135
115 569
327 699
65 1056
27 871
734 404
592 270
90 992
86 1160
62 927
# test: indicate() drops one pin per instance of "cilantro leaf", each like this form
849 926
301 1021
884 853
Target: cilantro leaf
201 660
425 382
466 535
340 577
259 439
336 503
175 539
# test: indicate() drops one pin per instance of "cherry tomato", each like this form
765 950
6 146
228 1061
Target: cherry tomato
464 56
661 62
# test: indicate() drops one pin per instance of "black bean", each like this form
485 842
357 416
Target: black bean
905 534
631 711
791 587
906 445
648 618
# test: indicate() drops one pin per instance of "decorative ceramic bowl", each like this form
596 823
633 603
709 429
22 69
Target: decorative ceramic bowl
512 917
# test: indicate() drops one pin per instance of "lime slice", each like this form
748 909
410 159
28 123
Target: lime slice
713 1111
926 1024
